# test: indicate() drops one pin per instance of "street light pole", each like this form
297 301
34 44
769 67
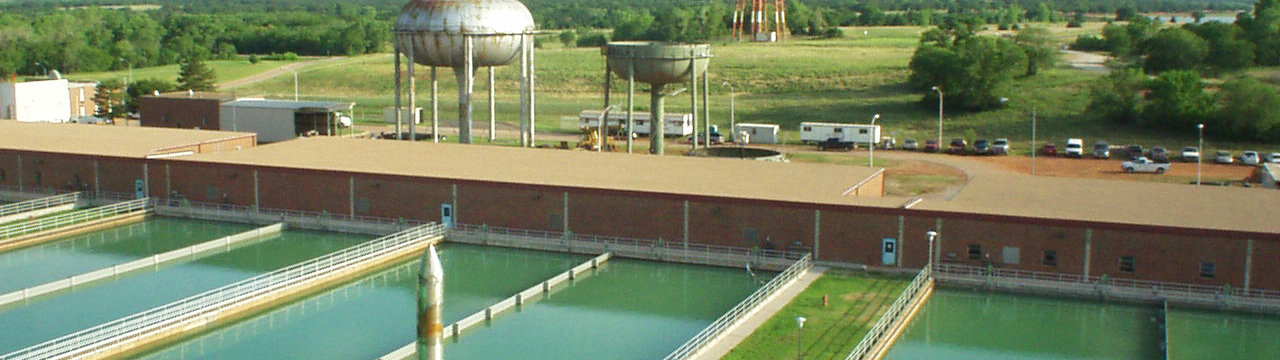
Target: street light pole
45 69
932 235
1199 159
872 157
1033 140
939 90
732 122
800 338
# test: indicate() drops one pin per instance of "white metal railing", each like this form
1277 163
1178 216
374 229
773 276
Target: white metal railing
37 204
713 331
60 220
210 304
1142 289
896 313
631 247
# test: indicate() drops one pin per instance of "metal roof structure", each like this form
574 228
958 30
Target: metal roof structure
302 106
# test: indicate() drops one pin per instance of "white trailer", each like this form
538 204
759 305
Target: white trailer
815 132
676 125
759 133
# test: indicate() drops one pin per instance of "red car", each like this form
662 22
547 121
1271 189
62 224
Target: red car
931 146
1049 149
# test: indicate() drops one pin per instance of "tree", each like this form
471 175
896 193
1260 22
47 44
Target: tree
1228 50
1174 49
568 38
1250 109
1037 43
634 26
195 75
1126 13
107 98
146 87
974 71
1118 96
1177 101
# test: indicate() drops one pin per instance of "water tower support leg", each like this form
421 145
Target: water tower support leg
399 89
693 98
631 102
413 97
524 91
706 106
656 128
533 94
435 106
493 115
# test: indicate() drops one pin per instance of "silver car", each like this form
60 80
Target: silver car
1250 157
1223 157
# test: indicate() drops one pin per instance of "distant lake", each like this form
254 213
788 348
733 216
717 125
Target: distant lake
1229 19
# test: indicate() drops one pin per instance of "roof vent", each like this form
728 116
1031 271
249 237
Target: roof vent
191 93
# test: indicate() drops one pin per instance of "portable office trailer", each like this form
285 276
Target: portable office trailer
676 125
389 115
813 132
760 133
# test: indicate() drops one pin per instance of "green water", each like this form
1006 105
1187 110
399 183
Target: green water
961 325
78 254
372 316
23 325
628 310
1195 335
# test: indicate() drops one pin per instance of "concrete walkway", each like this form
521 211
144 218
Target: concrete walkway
762 314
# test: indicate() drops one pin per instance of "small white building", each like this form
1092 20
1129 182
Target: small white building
279 120
759 133
46 101
813 132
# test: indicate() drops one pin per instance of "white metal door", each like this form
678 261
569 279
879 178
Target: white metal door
446 215
889 253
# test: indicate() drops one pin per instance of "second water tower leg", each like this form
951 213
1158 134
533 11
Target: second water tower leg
656 131
399 90
524 92
413 97
435 107
466 87
631 102
706 106
493 115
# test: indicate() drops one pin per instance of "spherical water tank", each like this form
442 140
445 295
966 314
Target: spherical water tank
436 28
657 62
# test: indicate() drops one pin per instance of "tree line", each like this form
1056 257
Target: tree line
1161 81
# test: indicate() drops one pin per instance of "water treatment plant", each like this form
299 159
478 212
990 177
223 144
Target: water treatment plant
121 242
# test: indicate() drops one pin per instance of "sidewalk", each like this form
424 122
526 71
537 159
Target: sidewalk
762 314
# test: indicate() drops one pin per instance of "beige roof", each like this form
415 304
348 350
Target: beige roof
812 183
1113 201
122 141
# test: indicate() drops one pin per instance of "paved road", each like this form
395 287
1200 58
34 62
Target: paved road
263 76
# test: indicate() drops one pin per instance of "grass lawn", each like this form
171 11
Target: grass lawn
830 332
225 70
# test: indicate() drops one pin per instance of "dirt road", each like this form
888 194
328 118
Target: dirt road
263 76
1086 61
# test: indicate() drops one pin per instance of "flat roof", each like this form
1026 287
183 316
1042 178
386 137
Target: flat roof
812 183
1117 201
289 104
194 95
106 140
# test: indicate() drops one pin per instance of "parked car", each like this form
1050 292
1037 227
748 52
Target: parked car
1250 157
958 146
931 146
1159 154
1101 150
1223 157
1075 147
1135 151
835 144
1190 154
1274 158
1049 149
1143 164
910 145
982 147
1000 146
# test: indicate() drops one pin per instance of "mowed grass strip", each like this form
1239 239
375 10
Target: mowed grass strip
856 302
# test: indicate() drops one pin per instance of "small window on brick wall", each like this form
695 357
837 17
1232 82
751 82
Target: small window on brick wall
975 252
1208 270
1051 258
1128 264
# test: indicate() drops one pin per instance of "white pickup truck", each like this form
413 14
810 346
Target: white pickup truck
1143 164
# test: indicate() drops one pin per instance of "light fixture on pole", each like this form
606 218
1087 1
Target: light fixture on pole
800 338
939 90
932 235
46 70
732 122
875 134
1201 152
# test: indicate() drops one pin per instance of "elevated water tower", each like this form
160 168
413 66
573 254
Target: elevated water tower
658 64
466 35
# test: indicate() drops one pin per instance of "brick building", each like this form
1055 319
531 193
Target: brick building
183 110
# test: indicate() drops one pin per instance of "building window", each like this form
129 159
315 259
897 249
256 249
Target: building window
164 119
807 128
1011 255
1208 270
838 130
1128 264
554 221
975 252
1051 258
39 177
862 131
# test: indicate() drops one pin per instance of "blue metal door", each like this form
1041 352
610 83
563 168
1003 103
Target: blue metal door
889 252
446 215
139 189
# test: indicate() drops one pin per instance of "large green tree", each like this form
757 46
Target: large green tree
1250 110
108 99
1177 100
1041 51
1174 49
973 73
1117 97
195 75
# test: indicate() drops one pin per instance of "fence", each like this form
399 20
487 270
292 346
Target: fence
150 261
38 204
730 318
483 316
647 249
206 308
895 317
75 217
298 219
1202 296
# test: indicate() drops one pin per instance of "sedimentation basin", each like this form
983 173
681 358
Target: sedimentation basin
23 325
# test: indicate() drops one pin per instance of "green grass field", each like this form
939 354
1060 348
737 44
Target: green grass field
833 80
224 69
856 302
